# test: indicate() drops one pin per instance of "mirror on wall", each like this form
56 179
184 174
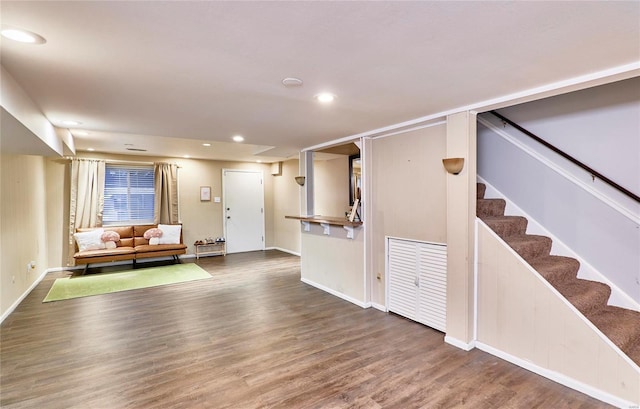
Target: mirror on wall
355 178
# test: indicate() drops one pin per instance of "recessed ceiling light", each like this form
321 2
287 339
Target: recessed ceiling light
325 97
186 156
238 138
22 36
258 161
71 123
292 82
90 149
206 144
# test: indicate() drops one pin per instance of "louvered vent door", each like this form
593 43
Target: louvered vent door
403 278
432 299
417 281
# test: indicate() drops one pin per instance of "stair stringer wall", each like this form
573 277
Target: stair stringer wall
523 319
618 298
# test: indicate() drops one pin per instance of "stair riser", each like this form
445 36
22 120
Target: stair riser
506 228
490 207
532 250
480 190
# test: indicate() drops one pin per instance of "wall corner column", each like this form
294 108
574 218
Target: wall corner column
306 191
461 210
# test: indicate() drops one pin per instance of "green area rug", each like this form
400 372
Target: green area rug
94 284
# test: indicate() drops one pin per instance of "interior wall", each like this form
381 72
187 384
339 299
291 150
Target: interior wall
461 213
334 262
331 186
602 236
204 219
58 191
519 314
286 202
23 222
598 126
41 136
408 191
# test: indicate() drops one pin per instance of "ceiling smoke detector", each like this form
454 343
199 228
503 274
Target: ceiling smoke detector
292 82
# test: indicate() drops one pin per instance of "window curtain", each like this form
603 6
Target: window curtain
87 196
166 193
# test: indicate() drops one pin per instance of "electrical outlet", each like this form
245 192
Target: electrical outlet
13 279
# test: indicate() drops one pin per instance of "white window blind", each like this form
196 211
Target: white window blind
128 194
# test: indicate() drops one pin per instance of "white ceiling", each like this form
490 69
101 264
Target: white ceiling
167 76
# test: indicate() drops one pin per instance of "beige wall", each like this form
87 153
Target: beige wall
205 219
334 262
286 194
408 193
58 192
521 315
461 212
23 232
331 186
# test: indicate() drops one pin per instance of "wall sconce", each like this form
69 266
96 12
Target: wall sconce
453 165
300 180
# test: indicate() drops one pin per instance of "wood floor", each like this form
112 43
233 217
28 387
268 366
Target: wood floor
253 336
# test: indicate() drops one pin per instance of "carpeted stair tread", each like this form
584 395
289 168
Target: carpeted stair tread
480 189
490 207
506 226
530 246
587 296
622 326
556 269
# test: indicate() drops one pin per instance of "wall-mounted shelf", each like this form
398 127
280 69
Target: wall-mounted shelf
326 222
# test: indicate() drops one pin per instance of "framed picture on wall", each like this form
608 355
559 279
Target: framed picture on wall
205 193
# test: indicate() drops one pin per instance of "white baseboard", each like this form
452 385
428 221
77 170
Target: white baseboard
338 294
283 250
466 346
379 307
27 292
558 377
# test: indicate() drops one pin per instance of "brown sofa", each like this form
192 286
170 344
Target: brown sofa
131 246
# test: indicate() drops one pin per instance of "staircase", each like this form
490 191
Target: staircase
622 326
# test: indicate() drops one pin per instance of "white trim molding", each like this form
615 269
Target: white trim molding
465 346
558 377
27 292
335 293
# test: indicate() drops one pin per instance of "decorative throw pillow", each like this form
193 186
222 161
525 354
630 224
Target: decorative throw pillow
109 238
90 240
153 235
170 233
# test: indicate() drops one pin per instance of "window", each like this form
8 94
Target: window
128 194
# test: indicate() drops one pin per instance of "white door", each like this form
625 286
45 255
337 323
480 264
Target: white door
243 194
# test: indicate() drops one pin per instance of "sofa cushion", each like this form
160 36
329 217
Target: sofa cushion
90 240
106 252
170 233
147 248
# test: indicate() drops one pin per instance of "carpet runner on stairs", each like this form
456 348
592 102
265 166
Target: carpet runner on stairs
622 326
